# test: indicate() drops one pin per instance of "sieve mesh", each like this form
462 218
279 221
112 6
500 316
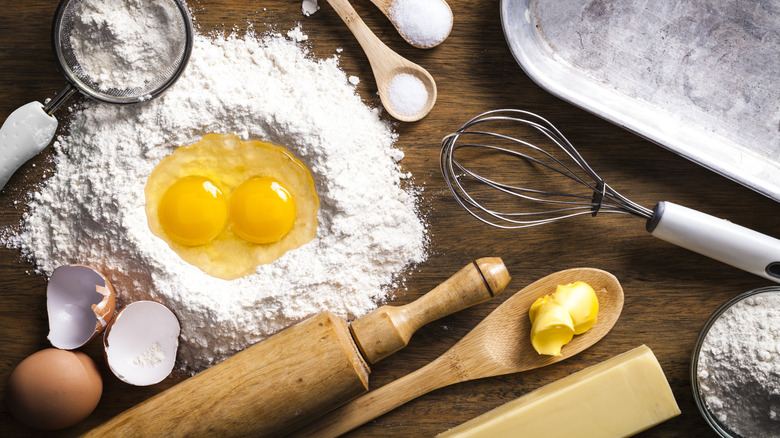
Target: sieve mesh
167 71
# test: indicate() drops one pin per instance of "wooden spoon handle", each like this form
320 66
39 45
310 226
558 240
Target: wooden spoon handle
380 401
389 329
370 43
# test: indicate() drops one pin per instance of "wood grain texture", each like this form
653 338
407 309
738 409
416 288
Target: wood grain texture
669 292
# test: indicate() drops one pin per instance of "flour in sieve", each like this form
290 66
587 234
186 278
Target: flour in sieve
91 210
126 43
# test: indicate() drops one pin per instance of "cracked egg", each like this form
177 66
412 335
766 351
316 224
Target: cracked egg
228 206
140 343
80 302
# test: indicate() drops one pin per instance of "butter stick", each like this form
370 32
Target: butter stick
619 397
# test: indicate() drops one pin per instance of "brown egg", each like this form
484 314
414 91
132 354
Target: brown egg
54 389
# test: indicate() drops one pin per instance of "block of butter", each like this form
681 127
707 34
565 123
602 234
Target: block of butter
619 397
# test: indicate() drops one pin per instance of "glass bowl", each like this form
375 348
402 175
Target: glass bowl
721 429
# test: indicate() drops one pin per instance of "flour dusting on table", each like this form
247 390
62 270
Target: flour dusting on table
91 210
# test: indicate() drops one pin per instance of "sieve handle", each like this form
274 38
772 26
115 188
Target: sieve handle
25 133
716 238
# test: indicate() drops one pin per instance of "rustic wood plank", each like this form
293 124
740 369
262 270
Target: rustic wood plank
669 291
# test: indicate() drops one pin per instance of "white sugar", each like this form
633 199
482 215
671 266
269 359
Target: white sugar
424 23
407 94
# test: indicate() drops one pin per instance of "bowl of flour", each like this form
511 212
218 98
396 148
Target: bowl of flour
735 367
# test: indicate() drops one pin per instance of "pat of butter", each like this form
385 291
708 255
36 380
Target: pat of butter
619 397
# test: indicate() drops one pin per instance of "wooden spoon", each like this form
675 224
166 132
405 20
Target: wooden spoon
384 6
500 344
385 63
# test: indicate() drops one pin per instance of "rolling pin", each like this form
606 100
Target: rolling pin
297 375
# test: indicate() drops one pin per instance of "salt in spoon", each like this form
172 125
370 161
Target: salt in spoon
500 344
386 64
416 25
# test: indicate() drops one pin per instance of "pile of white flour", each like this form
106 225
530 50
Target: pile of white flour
739 366
91 210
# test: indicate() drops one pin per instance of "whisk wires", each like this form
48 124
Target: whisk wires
478 193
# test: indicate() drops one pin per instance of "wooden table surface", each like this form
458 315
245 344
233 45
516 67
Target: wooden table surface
669 291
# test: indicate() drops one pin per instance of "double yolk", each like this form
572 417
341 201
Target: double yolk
194 211
227 205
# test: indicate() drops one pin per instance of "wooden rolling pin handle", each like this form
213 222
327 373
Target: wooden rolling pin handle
388 328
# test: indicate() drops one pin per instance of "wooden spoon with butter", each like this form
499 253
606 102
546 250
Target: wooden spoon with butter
498 345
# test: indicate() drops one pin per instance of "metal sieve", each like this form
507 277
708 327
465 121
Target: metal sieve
168 71
30 128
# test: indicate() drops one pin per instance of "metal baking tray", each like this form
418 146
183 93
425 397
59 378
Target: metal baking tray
699 77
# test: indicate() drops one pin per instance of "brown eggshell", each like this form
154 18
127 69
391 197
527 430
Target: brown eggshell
80 302
54 389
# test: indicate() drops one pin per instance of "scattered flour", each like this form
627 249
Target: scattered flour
739 367
309 7
91 210
127 44
297 34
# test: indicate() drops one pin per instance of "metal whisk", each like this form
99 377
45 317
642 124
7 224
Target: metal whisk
599 196
495 134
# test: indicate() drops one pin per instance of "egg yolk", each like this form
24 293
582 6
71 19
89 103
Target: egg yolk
262 210
193 211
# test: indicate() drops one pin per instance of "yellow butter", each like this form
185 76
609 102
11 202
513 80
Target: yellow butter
552 328
571 310
581 302
619 397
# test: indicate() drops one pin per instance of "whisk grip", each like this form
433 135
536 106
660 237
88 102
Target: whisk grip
26 132
717 238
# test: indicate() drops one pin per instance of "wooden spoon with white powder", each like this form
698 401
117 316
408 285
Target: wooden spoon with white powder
407 90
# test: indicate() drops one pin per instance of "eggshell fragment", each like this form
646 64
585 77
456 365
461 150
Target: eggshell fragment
141 342
80 302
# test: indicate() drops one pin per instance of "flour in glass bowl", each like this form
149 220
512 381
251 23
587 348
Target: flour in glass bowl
739 366
91 210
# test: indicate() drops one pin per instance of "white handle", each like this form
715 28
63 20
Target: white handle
717 238
25 133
